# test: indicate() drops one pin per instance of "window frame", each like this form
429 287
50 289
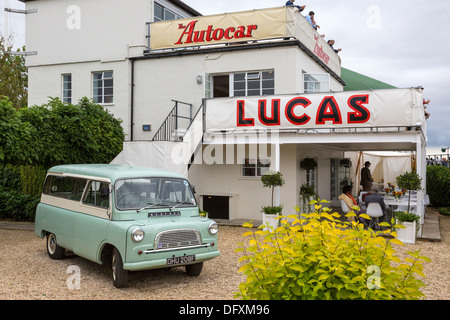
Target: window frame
102 80
88 191
164 10
249 79
64 98
315 90
257 166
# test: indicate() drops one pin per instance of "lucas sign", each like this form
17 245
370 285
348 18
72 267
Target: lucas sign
379 108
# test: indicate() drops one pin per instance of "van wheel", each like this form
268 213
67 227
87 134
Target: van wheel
194 270
120 276
55 252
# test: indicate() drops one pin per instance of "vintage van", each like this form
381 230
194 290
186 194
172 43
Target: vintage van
131 218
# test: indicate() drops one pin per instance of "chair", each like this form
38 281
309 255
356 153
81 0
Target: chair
375 212
344 207
361 195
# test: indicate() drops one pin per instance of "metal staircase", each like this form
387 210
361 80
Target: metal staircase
176 124
174 145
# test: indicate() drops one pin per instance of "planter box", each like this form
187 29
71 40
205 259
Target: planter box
271 220
407 235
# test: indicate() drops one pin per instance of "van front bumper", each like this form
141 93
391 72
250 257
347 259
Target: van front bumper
161 262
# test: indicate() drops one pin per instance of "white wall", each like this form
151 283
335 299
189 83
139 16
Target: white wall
46 81
82 30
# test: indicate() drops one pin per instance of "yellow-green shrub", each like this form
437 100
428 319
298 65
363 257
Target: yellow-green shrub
316 256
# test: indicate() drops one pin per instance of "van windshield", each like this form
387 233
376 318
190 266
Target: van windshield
135 194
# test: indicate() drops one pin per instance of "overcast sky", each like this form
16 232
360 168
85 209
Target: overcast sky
401 42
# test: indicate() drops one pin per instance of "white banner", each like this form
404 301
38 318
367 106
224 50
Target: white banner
222 28
366 109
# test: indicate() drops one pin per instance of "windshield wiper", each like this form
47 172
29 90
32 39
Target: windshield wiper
180 203
152 205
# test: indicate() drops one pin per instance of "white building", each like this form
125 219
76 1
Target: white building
242 92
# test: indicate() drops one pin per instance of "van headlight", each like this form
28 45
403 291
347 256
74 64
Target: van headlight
137 235
213 228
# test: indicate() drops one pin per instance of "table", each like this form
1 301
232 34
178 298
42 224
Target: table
391 202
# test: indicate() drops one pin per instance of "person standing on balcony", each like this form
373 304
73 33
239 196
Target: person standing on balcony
291 4
331 43
310 19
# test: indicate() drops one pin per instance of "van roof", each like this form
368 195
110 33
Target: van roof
113 172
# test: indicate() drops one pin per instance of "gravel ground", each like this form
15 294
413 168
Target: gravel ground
27 273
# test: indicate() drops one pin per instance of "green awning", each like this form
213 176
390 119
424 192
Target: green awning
357 81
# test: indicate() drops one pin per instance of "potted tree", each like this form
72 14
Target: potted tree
410 223
271 213
409 181
412 182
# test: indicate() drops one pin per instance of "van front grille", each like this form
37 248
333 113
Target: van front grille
177 239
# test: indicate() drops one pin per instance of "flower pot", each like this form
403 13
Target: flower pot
407 235
270 220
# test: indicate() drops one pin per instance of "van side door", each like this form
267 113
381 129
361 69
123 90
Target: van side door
90 227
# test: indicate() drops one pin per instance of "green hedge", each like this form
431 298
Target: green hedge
17 206
438 185
20 190
36 138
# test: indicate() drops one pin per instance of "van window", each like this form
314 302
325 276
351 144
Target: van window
65 187
97 194
155 192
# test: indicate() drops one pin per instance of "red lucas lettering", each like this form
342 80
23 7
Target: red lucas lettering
241 120
361 114
290 115
328 111
262 113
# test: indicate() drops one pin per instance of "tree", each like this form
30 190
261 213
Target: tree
409 181
13 74
272 180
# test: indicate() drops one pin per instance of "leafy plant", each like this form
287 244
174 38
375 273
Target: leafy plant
409 181
13 74
406 217
308 164
272 209
317 256
438 185
306 190
444 211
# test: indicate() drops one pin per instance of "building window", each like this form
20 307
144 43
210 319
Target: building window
258 83
163 14
255 167
103 87
314 83
67 88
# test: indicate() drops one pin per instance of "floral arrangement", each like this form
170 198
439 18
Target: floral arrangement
397 194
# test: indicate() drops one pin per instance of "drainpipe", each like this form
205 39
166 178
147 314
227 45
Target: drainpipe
132 101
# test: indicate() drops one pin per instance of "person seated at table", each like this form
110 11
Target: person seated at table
350 202
373 196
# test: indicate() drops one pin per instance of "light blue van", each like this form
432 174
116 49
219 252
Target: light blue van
132 218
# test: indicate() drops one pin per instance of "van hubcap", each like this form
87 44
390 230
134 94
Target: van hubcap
114 267
52 243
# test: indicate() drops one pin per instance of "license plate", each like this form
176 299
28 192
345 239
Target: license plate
180 260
